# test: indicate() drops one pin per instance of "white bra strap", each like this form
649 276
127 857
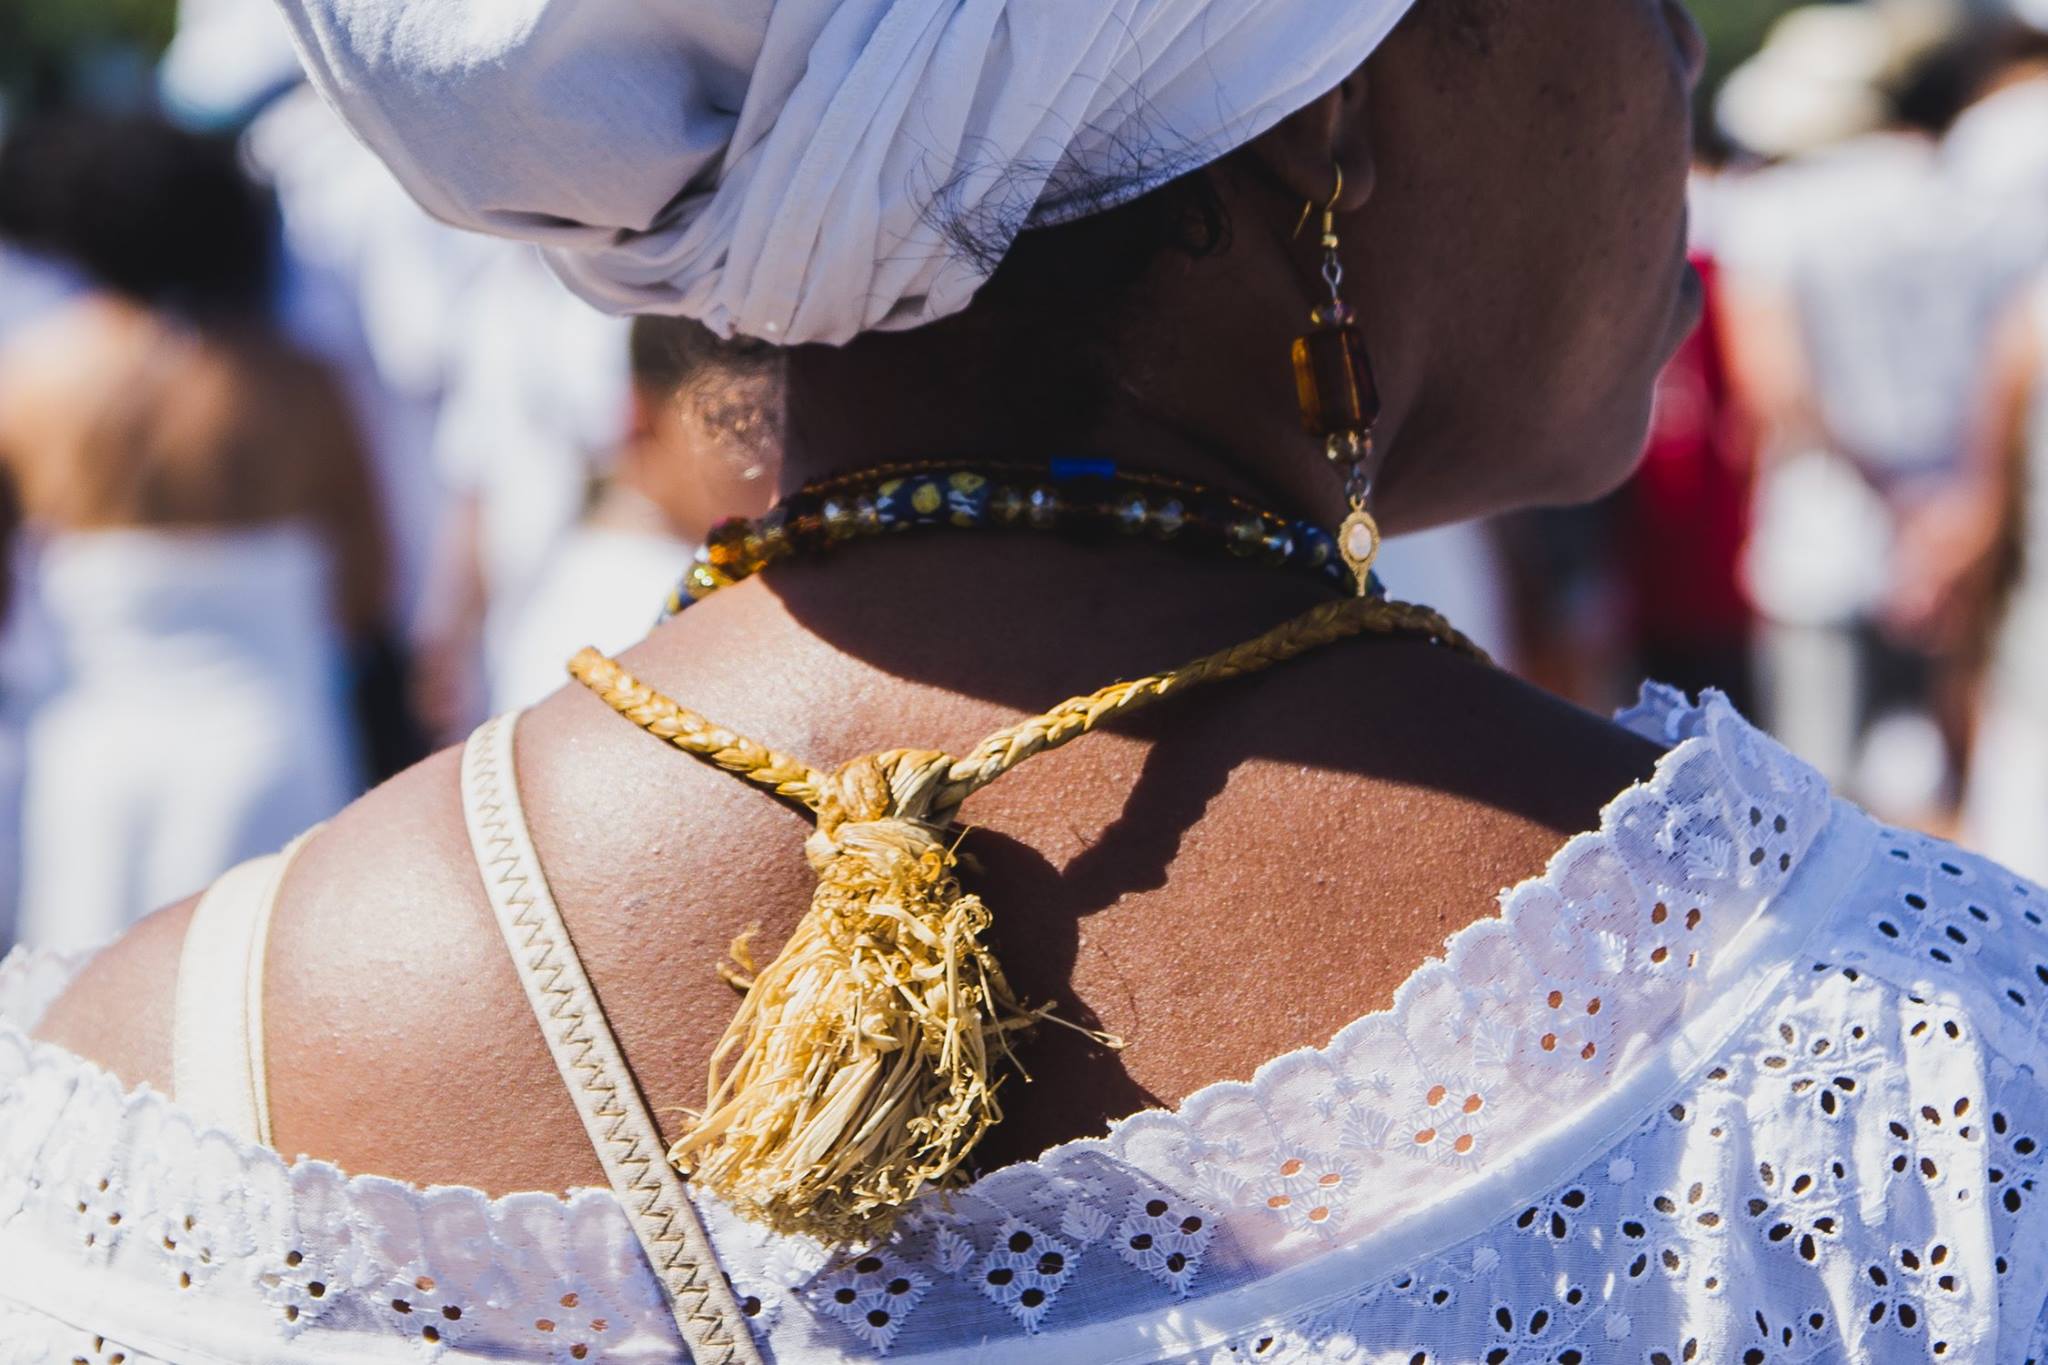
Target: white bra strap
587 1055
217 1061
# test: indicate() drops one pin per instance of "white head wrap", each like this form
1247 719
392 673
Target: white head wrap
794 169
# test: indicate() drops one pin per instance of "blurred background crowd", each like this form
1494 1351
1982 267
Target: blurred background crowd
297 484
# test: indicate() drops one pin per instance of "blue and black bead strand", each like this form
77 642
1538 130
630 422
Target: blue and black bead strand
1081 498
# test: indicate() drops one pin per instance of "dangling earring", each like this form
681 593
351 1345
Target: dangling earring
1339 401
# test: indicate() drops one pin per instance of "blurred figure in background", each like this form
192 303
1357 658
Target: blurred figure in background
10 728
1973 577
1866 283
1997 153
703 444
205 537
366 281
487 394
1980 584
31 286
1683 519
537 401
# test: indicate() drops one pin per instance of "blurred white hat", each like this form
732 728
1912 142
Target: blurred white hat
1822 74
226 58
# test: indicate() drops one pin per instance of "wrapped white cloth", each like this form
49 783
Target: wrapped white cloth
806 170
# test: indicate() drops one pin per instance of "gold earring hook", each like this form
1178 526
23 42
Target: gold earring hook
1329 210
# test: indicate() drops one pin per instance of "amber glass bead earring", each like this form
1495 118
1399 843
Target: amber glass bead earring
1339 401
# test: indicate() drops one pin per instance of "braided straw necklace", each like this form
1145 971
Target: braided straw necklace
860 1067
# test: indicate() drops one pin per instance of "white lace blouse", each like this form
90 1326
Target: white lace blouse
1744 1077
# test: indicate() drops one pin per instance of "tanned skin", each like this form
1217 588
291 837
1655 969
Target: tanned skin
1240 873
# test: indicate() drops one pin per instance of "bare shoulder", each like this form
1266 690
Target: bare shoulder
71 346
396 1034
400 1042
398 1038
369 893
54 370
118 1011
48 353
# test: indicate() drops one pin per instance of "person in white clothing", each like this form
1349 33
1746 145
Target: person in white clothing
1977 584
537 403
631 1032
365 280
1869 275
31 286
701 446
201 542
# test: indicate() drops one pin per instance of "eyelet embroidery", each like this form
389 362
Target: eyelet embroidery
1803 1151
874 1297
1165 1240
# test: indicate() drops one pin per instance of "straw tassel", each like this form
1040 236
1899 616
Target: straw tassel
860 1067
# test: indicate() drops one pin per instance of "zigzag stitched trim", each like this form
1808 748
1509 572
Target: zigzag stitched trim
587 1055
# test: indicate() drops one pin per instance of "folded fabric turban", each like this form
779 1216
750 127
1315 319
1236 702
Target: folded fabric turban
803 170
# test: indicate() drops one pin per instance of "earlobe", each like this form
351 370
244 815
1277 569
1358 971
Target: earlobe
1305 152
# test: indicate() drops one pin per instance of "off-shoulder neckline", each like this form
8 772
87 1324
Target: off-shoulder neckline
30 981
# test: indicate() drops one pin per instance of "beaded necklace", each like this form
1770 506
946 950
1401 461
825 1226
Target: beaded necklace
1077 497
861 1066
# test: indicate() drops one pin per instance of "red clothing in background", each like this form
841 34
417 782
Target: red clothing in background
1685 515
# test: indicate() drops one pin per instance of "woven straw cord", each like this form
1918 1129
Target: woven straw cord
1324 625
694 734
860 1067
1007 748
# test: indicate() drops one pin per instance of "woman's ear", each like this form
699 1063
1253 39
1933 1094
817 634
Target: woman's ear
1304 152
